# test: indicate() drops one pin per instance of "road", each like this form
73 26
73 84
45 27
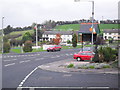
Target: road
17 67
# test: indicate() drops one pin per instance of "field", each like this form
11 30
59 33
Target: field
18 34
108 26
68 27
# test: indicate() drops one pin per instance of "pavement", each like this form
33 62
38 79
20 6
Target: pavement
60 66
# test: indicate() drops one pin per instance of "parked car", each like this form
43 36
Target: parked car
54 48
84 55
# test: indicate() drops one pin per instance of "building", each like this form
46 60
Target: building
84 34
65 35
111 33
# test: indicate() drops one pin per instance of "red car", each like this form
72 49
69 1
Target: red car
54 48
85 55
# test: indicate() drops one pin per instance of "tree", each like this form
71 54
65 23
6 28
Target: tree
27 36
8 30
28 46
6 47
57 39
74 40
49 24
40 31
105 54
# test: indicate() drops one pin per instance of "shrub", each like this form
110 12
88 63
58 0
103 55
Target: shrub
91 67
6 47
105 54
68 41
74 40
70 65
28 46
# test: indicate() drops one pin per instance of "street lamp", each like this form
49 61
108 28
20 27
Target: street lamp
36 36
92 21
2 32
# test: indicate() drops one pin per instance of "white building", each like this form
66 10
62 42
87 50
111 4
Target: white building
65 35
111 33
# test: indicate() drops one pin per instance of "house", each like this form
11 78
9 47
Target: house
84 34
65 35
111 33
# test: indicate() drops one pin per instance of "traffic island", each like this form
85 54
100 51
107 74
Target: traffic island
72 66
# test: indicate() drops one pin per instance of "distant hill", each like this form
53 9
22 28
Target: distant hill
68 27
77 27
108 26
18 34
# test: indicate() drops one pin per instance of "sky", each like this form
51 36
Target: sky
21 13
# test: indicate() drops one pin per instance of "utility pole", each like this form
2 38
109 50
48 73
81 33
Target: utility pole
92 24
36 36
2 32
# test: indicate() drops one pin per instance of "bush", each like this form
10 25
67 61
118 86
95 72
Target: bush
68 41
74 40
6 47
28 46
70 66
105 54
91 67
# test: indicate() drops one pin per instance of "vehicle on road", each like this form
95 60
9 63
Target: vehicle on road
54 48
84 55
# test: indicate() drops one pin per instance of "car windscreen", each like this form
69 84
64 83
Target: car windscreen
89 53
52 46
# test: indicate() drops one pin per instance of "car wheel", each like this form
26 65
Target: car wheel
48 50
78 59
53 50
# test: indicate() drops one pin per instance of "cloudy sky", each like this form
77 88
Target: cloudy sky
20 13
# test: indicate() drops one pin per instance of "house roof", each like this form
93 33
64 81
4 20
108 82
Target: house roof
110 31
58 32
84 28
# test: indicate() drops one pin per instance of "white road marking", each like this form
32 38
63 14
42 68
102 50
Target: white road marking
53 57
67 75
24 61
57 56
27 61
20 85
21 61
39 59
9 64
10 60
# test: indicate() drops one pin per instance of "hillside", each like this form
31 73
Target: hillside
77 27
18 34
108 26
69 27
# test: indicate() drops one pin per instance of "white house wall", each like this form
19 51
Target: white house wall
112 35
64 37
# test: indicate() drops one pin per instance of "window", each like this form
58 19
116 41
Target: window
83 53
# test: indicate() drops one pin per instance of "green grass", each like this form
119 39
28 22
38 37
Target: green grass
18 50
70 65
20 33
68 27
108 26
